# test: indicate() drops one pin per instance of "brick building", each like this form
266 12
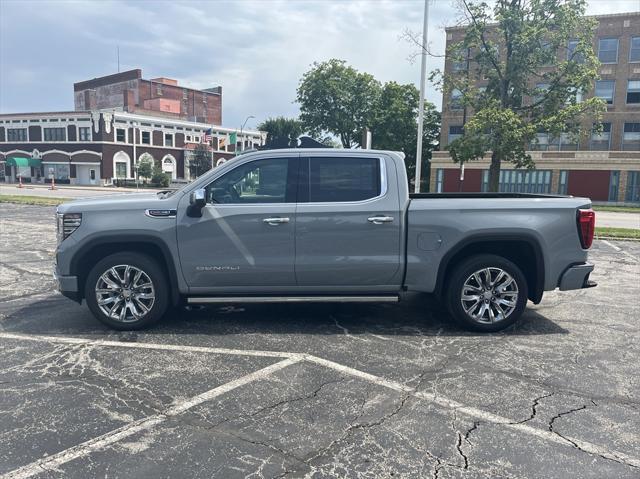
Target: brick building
129 92
604 166
96 147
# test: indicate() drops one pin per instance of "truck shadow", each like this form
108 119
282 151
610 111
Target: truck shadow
418 315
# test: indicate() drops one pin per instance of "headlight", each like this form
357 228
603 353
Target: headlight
67 223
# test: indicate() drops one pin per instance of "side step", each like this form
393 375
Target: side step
292 299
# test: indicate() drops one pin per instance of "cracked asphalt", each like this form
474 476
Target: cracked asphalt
321 391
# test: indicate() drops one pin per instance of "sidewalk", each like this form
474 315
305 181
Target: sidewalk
67 191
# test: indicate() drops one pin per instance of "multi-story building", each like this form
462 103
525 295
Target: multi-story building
97 147
128 91
604 166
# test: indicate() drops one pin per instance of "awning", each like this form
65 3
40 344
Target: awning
19 162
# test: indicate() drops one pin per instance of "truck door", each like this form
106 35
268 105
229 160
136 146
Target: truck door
348 224
244 240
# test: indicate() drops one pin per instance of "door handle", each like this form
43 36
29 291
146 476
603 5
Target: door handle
275 221
378 220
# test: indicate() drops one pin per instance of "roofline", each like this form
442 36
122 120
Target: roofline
605 15
46 113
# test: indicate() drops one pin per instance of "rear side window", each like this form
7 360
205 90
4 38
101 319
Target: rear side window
343 179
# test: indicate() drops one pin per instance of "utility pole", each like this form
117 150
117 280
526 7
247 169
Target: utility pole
423 75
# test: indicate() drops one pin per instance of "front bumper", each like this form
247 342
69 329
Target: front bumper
577 277
67 285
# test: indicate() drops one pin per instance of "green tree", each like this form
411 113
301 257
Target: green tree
336 99
525 64
282 132
395 127
145 166
200 162
160 178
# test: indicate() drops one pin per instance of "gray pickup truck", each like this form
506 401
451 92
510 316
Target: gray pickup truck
319 225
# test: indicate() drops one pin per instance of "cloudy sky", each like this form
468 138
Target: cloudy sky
257 50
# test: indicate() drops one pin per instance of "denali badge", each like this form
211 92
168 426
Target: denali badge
217 268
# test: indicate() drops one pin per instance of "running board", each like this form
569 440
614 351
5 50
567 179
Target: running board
293 299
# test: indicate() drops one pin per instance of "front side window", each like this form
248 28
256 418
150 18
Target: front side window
121 135
84 132
260 181
631 137
605 89
608 50
344 179
55 134
17 134
601 140
634 49
633 92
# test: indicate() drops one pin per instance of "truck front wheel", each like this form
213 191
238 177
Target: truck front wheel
127 291
486 293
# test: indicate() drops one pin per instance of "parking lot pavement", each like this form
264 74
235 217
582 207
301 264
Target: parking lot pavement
70 192
316 391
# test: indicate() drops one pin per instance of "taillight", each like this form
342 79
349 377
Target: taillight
586 227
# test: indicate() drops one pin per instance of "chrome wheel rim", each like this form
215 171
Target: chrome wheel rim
125 293
489 295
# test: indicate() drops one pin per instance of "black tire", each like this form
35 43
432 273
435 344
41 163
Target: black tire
159 289
495 300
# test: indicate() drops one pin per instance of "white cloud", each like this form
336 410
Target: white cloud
257 50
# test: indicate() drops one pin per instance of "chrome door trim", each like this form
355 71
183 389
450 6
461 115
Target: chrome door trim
293 299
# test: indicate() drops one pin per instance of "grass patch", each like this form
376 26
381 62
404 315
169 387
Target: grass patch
32 200
618 209
626 233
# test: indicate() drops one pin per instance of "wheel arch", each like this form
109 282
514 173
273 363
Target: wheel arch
522 249
93 251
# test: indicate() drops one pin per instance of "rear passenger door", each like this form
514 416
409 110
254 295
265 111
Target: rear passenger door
348 225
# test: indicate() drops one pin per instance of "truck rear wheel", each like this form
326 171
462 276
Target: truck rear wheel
127 291
486 293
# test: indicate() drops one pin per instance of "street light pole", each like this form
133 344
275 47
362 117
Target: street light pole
242 128
135 162
423 74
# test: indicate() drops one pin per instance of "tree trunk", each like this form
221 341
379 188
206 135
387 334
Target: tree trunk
494 173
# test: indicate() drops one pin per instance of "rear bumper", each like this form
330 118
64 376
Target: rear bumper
67 285
577 277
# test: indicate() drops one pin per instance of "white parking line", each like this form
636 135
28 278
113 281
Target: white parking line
347 370
52 462
620 250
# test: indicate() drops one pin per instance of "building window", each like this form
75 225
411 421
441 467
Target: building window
455 132
55 134
601 140
520 181
158 89
614 185
121 135
84 133
439 180
568 142
631 137
572 54
168 139
633 92
459 60
633 187
541 142
562 182
16 134
456 99
605 89
541 92
145 137
608 50
634 49
187 138
121 169
185 94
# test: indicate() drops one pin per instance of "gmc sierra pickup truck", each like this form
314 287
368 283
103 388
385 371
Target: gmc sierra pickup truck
319 225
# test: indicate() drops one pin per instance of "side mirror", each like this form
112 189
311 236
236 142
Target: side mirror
197 200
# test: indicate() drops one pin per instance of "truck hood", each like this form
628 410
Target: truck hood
119 202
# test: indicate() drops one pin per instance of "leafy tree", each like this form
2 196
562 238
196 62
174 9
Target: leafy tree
200 161
521 78
337 99
282 132
394 126
145 166
160 178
